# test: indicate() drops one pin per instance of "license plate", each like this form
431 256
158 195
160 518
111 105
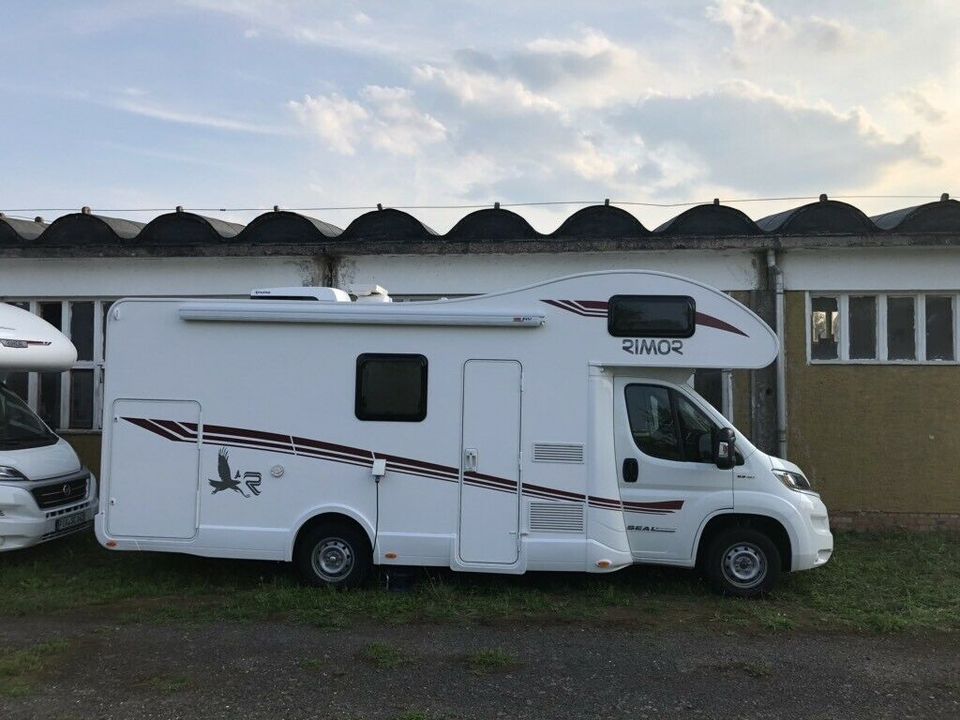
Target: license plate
69 521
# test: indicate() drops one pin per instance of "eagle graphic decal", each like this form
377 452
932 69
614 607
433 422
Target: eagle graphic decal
229 481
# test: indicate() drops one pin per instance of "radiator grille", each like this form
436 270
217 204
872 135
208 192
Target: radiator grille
556 517
60 493
558 452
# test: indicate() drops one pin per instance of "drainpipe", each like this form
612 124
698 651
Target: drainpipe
781 359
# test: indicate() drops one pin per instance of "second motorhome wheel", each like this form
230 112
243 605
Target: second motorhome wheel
334 555
743 562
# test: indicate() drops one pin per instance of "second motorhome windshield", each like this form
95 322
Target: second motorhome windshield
19 425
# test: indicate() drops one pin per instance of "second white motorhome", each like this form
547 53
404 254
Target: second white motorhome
45 492
552 427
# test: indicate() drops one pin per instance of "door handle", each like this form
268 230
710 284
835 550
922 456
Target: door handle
631 470
470 458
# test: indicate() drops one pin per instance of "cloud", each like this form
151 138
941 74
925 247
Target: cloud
756 30
159 112
475 87
751 140
918 103
389 120
335 119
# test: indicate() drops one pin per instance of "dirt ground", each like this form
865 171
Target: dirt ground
266 670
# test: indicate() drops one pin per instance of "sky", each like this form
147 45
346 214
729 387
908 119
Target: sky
310 104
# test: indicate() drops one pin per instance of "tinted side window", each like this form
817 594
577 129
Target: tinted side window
391 387
651 316
652 421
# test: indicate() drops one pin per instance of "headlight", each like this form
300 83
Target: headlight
794 481
9 473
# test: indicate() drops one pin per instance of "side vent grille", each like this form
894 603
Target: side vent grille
556 517
558 452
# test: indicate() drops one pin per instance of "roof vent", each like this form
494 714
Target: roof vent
38 219
370 294
179 208
319 294
85 210
823 197
944 197
716 201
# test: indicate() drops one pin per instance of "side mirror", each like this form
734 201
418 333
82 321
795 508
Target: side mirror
724 450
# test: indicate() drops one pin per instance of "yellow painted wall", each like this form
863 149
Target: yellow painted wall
873 437
87 446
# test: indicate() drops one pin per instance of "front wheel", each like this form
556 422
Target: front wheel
743 562
334 555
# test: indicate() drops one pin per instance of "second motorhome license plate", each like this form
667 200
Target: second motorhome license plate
69 521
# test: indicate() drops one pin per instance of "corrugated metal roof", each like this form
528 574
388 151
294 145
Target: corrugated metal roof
942 215
597 222
825 217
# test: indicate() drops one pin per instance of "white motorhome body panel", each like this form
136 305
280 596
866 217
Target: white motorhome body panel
153 493
281 393
28 342
490 462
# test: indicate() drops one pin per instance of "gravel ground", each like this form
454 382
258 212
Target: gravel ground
263 670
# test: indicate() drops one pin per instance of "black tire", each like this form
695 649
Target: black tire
336 555
742 562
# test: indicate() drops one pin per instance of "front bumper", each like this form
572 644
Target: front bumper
23 524
817 547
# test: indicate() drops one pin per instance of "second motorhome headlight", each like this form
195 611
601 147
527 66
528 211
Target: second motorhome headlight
794 481
9 473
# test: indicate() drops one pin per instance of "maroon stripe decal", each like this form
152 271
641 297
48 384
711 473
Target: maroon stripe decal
710 321
225 436
564 494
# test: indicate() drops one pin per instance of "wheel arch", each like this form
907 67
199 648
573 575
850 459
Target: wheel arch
330 514
772 527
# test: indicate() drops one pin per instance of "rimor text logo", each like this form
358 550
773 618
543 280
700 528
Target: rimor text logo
652 346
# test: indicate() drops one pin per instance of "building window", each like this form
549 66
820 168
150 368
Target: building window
882 328
70 400
824 328
391 388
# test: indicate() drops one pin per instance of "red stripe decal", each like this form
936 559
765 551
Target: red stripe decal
710 321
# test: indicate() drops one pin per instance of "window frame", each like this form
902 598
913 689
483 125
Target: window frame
421 415
97 365
919 327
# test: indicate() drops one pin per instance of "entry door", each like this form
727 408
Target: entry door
154 477
490 462
668 482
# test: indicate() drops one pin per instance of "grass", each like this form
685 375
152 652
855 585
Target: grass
876 583
486 662
20 669
383 655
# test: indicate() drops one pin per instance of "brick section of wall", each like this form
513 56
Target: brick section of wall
874 438
917 522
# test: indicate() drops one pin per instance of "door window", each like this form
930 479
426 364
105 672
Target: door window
652 421
666 425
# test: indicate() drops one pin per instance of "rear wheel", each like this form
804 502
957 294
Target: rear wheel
333 555
743 562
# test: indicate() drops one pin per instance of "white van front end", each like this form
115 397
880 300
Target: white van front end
45 492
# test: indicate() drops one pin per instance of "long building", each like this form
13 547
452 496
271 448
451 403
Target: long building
866 397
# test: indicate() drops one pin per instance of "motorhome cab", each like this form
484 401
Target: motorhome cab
44 491
554 427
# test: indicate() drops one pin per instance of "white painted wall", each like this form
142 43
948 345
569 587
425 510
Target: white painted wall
872 269
458 274
37 278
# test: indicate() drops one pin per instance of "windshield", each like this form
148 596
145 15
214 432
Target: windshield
19 425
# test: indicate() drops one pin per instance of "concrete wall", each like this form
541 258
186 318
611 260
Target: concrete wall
874 438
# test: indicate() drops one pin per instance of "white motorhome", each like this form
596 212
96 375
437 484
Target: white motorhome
45 492
553 427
